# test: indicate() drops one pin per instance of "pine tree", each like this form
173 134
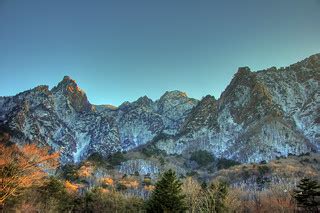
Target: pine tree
167 195
308 195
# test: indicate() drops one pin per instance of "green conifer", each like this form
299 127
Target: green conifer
308 195
167 195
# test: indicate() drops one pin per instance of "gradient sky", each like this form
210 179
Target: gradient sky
119 50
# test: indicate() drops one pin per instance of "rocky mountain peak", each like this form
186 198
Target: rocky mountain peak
204 114
76 96
68 85
175 94
171 99
208 99
141 103
124 105
311 62
144 101
42 88
243 74
67 78
243 70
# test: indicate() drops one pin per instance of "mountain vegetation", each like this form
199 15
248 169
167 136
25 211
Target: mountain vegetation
92 187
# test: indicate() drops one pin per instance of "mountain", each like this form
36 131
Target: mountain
62 118
259 116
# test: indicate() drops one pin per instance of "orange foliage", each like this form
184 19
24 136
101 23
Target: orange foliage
71 188
85 171
149 188
108 181
21 168
102 190
130 183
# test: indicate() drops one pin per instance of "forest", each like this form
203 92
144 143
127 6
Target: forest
31 180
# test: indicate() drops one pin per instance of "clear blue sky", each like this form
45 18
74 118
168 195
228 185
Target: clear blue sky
119 50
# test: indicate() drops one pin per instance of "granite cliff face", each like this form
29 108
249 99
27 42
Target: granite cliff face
259 116
61 118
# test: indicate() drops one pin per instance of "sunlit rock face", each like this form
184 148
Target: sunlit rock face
259 116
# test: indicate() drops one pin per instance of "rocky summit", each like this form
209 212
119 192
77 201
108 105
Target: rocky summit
259 116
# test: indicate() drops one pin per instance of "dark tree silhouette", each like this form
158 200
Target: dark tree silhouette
167 195
308 195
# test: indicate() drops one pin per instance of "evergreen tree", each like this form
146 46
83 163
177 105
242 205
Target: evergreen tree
308 195
167 195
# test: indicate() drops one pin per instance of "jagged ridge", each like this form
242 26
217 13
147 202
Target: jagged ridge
259 116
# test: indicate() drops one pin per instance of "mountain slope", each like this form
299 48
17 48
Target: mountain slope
259 116
61 118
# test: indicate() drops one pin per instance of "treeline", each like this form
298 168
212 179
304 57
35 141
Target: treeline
28 183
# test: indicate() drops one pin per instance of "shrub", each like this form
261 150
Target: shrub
152 150
224 163
53 196
100 200
116 159
70 172
97 159
202 157
263 162
147 181
263 169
